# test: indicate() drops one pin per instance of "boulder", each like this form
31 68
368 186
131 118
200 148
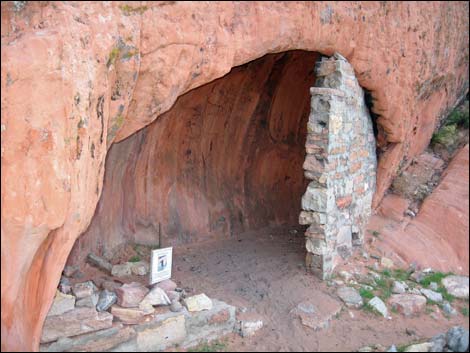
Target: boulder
408 304
456 286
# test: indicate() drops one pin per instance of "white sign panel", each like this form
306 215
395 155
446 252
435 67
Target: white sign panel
160 265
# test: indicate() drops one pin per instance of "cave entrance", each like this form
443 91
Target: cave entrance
252 178
243 155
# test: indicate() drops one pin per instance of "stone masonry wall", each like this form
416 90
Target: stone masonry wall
341 164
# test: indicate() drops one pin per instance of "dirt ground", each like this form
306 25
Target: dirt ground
264 272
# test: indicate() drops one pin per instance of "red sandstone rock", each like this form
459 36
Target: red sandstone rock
167 285
53 150
129 315
408 304
130 295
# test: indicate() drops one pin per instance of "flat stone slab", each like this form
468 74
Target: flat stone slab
92 342
317 316
456 286
75 322
62 303
198 302
130 315
350 297
408 304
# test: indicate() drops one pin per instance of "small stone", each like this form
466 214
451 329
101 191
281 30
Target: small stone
421 347
457 339
130 295
69 271
410 213
365 255
61 304
379 306
65 286
438 343
167 285
399 287
121 270
176 306
408 304
448 309
140 268
198 302
431 295
392 349
456 286
99 262
386 262
350 297
414 291
88 302
105 300
410 332
84 289
433 286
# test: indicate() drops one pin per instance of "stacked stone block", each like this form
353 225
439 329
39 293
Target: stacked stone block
341 164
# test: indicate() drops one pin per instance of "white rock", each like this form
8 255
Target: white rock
249 328
456 286
399 287
431 295
421 347
379 306
198 302
156 296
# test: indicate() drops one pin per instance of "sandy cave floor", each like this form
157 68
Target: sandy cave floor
264 272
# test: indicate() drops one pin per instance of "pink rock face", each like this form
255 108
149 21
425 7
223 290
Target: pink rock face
130 295
408 304
78 76
438 236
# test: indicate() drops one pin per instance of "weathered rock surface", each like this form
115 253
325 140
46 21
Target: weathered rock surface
140 268
61 304
89 302
75 322
156 296
456 286
105 300
444 246
408 304
317 317
350 297
51 145
431 295
130 315
130 295
198 302
399 287
378 305
84 289
122 270
92 342
167 285
457 339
